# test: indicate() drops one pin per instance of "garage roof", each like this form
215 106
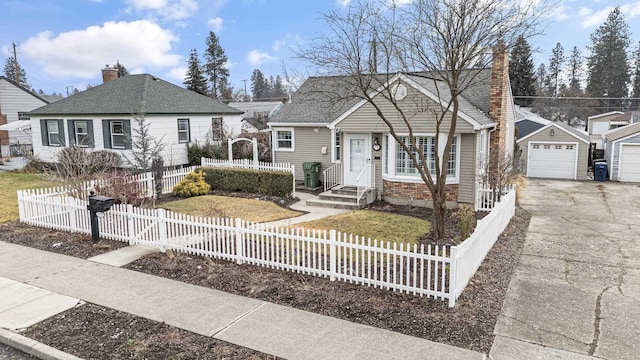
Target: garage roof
580 135
622 132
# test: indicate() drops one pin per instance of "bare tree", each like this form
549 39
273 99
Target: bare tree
75 166
444 42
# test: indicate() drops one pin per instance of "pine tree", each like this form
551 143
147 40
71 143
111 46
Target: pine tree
226 92
635 89
259 85
555 66
10 72
122 71
542 80
608 65
523 80
278 88
574 64
195 79
216 65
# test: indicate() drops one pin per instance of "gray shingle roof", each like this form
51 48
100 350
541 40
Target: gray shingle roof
526 127
323 99
134 94
622 132
577 133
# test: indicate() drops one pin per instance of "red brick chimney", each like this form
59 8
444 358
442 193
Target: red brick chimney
499 95
109 73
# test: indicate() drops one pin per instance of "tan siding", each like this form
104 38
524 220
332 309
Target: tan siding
308 145
561 137
365 118
466 187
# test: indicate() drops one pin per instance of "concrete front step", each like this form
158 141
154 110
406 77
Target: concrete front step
339 197
335 204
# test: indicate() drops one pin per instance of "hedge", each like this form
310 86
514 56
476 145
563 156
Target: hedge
274 183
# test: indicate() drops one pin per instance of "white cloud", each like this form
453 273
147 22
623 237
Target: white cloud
82 53
278 44
176 74
257 57
215 24
583 11
167 9
344 3
597 18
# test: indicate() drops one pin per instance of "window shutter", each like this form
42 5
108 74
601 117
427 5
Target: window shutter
126 124
92 142
71 125
44 133
63 141
106 134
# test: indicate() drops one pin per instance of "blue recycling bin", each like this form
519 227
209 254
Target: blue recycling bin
600 171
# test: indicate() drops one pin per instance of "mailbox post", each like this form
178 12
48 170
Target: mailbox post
97 206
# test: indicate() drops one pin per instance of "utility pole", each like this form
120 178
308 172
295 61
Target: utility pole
245 88
15 64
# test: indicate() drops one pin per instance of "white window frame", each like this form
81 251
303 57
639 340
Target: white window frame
86 134
389 171
276 140
184 131
114 134
57 133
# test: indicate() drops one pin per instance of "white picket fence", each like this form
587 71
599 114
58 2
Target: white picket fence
440 272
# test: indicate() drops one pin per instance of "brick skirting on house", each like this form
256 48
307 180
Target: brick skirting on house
415 191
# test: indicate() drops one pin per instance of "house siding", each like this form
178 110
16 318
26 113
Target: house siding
14 100
468 171
308 145
612 154
163 128
366 118
560 136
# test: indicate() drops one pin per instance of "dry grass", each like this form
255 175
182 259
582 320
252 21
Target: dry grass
10 182
231 207
374 225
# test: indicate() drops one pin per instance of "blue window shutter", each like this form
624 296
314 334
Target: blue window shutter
106 133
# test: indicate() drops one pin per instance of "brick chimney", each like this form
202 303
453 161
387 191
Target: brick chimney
499 95
109 73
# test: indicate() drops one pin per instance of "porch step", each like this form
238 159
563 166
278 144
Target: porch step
335 204
339 196
343 198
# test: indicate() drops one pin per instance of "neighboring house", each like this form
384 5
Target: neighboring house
529 124
555 150
622 151
104 117
15 103
599 124
256 114
349 140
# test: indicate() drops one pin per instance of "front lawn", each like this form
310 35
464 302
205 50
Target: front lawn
374 225
10 183
231 207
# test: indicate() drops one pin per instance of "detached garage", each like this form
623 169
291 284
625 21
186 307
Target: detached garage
622 152
555 151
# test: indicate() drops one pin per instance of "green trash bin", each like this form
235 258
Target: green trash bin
311 174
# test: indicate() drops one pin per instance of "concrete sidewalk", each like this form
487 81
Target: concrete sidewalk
255 324
313 212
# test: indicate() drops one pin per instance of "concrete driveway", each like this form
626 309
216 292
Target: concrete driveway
576 291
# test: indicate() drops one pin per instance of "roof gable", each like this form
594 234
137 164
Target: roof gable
29 92
136 94
582 136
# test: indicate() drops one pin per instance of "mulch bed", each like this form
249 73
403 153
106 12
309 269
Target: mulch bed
469 324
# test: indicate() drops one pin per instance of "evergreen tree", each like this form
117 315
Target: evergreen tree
542 80
195 79
226 92
635 89
278 88
10 72
216 65
523 80
122 71
259 85
608 65
575 63
555 66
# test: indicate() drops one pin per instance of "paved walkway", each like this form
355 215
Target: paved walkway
576 290
15 163
313 212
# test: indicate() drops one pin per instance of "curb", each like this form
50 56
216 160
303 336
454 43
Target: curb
32 347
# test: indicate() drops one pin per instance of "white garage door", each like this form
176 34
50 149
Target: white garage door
555 161
630 163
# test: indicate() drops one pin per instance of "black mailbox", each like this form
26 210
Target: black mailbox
99 203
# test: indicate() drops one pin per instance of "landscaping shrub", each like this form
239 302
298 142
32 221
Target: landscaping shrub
466 221
274 183
192 185
208 150
122 187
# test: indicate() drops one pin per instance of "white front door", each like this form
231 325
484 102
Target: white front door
357 157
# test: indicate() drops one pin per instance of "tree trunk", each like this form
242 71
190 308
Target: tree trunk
439 211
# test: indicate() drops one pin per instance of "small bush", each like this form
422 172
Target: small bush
193 184
208 150
122 187
466 221
272 183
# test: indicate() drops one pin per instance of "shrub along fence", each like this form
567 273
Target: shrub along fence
440 272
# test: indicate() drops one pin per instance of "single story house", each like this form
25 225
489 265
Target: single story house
622 151
599 124
105 117
355 147
256 114
15 127
556 151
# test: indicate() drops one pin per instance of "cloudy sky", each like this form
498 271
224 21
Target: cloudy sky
66 42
